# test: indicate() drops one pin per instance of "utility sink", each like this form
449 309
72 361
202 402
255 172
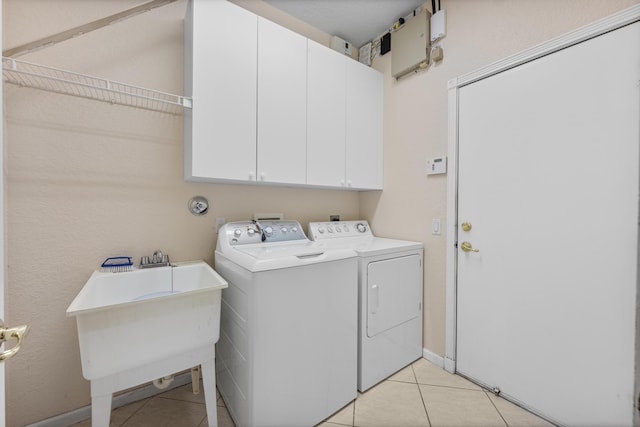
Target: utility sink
137 326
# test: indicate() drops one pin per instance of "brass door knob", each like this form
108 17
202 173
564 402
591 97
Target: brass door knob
466 226
467 247
18 333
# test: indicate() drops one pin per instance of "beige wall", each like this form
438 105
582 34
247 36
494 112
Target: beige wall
479 32
86 180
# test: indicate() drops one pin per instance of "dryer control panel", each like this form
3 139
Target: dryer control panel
249 232
338 229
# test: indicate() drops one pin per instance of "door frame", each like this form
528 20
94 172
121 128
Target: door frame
2 241
610 23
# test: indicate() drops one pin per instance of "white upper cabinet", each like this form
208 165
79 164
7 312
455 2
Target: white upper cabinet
221 76
326 116
282 104
344 121
272 107
365 100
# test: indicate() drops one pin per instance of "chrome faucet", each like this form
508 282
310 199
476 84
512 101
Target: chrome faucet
157 260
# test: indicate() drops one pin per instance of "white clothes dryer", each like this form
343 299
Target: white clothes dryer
390 281
287 353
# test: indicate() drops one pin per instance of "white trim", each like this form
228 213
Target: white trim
452 230
123 399
609 23
432 357
3 409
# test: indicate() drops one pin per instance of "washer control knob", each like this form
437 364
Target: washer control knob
361 227
251 231
268 231
338 229
237 232
321 230
283 230
294 230
329 229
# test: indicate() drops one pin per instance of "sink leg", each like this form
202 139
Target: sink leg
195 379
209 384
100 410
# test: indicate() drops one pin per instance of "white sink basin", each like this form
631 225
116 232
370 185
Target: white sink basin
137 326
128 319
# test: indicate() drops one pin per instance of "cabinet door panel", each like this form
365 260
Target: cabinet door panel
220 132
282 104
364 127
326 86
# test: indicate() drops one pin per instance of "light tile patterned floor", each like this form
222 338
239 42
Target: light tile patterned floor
422 394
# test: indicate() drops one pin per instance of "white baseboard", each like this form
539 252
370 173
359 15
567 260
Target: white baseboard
123 399
433 357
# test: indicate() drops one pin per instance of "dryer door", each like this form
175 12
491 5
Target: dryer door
394 292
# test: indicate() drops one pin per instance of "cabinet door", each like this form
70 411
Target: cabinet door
326 92
220 132
364 127
282 104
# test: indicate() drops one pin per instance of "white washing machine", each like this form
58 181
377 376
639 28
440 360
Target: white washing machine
390 297
287 354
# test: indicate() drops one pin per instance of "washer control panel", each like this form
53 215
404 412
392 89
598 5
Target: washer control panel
338 229
249 232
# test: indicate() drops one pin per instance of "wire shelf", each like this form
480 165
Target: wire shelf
51 79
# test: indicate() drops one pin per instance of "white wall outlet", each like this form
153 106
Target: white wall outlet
437 165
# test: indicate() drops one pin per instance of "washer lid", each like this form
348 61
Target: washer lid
276 256
276 251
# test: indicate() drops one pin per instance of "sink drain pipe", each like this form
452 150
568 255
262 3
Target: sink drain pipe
164 382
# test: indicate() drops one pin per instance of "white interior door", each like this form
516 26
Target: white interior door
548 179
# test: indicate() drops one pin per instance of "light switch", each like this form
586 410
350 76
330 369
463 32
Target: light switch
435 227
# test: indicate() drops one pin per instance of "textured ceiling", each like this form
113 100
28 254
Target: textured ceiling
356 21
